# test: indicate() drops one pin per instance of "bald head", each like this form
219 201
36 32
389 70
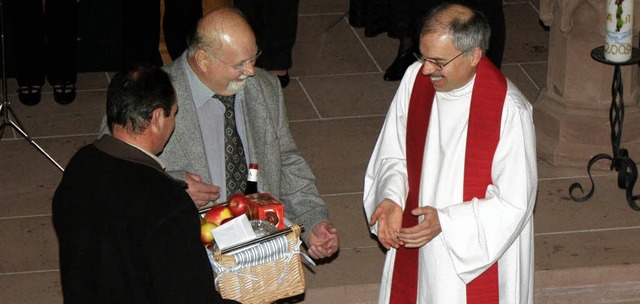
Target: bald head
441 17
219 28
469 28
223 51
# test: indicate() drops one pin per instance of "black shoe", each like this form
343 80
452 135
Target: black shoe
372 31
64 93
399 66
284 79
29 95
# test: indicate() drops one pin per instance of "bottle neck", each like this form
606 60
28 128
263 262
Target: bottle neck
253 175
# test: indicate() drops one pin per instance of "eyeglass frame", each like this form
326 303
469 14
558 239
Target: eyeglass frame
438 66
239 68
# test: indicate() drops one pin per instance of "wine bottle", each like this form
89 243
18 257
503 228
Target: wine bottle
252 179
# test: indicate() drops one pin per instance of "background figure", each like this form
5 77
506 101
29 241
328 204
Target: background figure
141 31
44 45
401 19
275 23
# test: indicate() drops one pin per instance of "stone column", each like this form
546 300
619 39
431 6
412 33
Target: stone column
572 111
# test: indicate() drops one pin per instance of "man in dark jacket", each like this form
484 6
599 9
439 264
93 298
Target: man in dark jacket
128 232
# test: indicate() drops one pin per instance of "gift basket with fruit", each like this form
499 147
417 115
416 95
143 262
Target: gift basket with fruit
262 268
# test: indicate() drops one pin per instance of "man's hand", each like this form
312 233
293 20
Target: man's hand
323 240
388 215
201 193
425 231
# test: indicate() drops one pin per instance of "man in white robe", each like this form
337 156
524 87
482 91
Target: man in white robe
455 239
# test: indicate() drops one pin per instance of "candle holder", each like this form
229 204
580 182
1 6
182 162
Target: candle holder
620 160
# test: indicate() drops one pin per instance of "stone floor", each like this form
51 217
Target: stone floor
585 252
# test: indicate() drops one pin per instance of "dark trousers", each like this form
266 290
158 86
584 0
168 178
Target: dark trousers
141 28
275 23
494 12
403 18
44 41
398 18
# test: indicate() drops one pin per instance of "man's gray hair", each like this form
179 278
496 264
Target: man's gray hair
468 27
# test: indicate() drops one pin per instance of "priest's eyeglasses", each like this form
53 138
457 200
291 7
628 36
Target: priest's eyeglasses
240 67
438 66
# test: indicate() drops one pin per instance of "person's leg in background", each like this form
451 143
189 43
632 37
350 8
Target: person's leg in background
141 32
275 23
402 25
180 19
28 46
61 30
493 10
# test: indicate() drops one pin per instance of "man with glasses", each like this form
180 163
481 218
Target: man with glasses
451 185
232 114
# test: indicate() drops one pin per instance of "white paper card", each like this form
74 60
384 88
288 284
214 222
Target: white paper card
236 231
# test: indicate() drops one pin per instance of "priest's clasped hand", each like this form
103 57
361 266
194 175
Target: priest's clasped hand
421 234
388 215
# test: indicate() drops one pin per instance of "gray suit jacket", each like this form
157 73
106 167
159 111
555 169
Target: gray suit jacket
283 172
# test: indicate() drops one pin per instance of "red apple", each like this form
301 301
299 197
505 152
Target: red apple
205 232
238 204
217 213
226 220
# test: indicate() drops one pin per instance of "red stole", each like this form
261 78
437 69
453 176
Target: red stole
483 134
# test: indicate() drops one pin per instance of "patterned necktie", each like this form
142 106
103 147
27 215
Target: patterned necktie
234 159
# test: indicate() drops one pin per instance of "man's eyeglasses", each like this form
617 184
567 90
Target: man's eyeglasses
239 68
438 66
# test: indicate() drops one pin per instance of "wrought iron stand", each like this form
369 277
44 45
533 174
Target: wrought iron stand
620 160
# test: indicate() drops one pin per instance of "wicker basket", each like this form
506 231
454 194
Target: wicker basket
262 273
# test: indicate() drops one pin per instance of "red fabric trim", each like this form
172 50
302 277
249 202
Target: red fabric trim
485 115
482 139
405 270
